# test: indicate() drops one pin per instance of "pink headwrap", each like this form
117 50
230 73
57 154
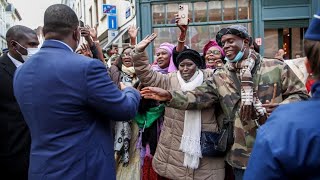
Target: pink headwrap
212 43
169 48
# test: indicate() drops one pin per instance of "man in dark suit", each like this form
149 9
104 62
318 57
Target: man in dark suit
14 134
68 100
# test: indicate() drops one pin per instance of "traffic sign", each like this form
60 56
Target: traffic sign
109 9
112 22
112 34
128 12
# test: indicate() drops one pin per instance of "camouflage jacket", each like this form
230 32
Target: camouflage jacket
224 89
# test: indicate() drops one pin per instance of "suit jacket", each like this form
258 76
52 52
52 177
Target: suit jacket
67 100
14 133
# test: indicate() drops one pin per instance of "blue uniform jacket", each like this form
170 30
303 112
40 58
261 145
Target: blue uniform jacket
288 145
67 101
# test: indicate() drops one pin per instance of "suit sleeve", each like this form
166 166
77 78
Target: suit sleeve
105 97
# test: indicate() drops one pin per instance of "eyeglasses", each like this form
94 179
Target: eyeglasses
215 52
125 54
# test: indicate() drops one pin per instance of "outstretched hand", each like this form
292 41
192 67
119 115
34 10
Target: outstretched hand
92 32
155 93
141 46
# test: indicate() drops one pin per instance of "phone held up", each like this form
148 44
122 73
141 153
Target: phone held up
183 14
81 24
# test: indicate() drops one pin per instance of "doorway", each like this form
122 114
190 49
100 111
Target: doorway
288 39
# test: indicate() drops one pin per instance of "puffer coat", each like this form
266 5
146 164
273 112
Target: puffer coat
168 159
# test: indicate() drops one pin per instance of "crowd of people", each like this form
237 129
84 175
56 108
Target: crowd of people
76 111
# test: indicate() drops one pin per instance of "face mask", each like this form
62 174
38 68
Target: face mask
22 55
238 56
31 52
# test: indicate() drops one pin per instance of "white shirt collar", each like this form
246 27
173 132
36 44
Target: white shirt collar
62 43
15 62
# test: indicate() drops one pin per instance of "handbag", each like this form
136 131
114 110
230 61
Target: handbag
217 144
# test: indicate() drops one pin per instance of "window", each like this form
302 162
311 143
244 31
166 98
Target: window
158 14
197 37
80 9
97 13
207 18
91 16
200 12
215 10
229 10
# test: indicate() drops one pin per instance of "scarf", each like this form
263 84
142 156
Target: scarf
131 77
122 140
190 141
157 68
249 99
169 48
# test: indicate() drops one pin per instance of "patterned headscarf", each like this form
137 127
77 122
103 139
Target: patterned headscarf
237 30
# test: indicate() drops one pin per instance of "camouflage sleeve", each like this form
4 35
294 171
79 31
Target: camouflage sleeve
293 88
202 97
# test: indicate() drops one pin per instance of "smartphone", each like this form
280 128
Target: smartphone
81 23
183 14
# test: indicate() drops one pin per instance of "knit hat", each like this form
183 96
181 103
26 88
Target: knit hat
212 43
193 56
237 30
169 48
313 32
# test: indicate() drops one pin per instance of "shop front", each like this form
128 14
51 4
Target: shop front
273 24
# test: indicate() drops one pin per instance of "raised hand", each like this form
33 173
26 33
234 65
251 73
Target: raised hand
85 50
141 46
93 32
183 28
155 93
133 31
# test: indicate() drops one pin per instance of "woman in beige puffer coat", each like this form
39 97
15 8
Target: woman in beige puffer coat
168 159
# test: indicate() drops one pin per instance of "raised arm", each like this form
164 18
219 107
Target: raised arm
133 32
105 97
147 76
183 33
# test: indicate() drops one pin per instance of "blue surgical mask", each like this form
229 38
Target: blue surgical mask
238 56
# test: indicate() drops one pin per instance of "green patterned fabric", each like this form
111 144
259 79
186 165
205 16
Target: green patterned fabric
146 120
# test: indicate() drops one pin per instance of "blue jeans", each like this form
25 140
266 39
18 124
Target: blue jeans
238 173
